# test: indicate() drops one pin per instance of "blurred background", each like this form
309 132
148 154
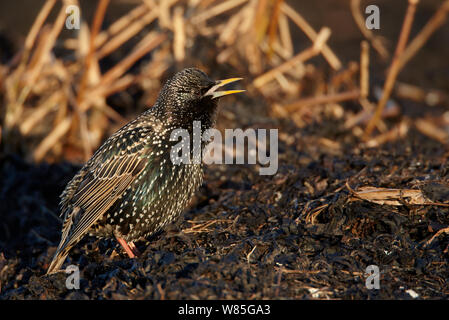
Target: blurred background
64 91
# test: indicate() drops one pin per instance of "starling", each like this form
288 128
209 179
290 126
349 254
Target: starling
130 189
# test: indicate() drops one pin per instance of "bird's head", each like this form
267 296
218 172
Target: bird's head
192 95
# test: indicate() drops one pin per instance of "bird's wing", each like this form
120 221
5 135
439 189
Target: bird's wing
102 181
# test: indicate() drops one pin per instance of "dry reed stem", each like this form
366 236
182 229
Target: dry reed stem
397 132
430 97
43 55
418 42
274 23
142 48
299 58
85 136
333 98
392 110
88 62
165 20
38 52
116 86
275 51
395 67
31 37
52 138
112 44
37 115
248 17
18 93
428 128
109 83
109 112
328 54
37 25
286 85
345 77
120 68
216 10
376 42
82 44
261 20
134 27
96 25
285 35
392 197
230 32
179 39
119 25
364 70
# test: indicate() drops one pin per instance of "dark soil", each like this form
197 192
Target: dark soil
259 244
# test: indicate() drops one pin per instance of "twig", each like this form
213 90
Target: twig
51 139
429 129
127 62
122 23
289 271
364 70
397 132
274 23
216 10
412 92
37 25
37 115
248 256
394 69
42 53
299 58
230 31
418 42
360 21
333 98
436 235
179 38
96 25
391 110
126 34
164 14
311 34
285 36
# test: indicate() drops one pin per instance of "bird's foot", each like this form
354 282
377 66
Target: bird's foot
134 249
130 248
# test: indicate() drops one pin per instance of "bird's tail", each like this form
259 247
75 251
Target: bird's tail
58 260
64 244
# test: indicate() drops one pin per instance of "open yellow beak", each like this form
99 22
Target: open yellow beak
220 83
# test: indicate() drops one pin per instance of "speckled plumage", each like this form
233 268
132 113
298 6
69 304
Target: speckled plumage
130 189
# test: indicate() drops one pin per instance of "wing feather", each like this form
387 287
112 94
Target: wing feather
101 182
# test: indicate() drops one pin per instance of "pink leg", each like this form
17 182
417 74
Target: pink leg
134 249
125 246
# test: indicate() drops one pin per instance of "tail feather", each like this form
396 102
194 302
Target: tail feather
58 260
65 244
